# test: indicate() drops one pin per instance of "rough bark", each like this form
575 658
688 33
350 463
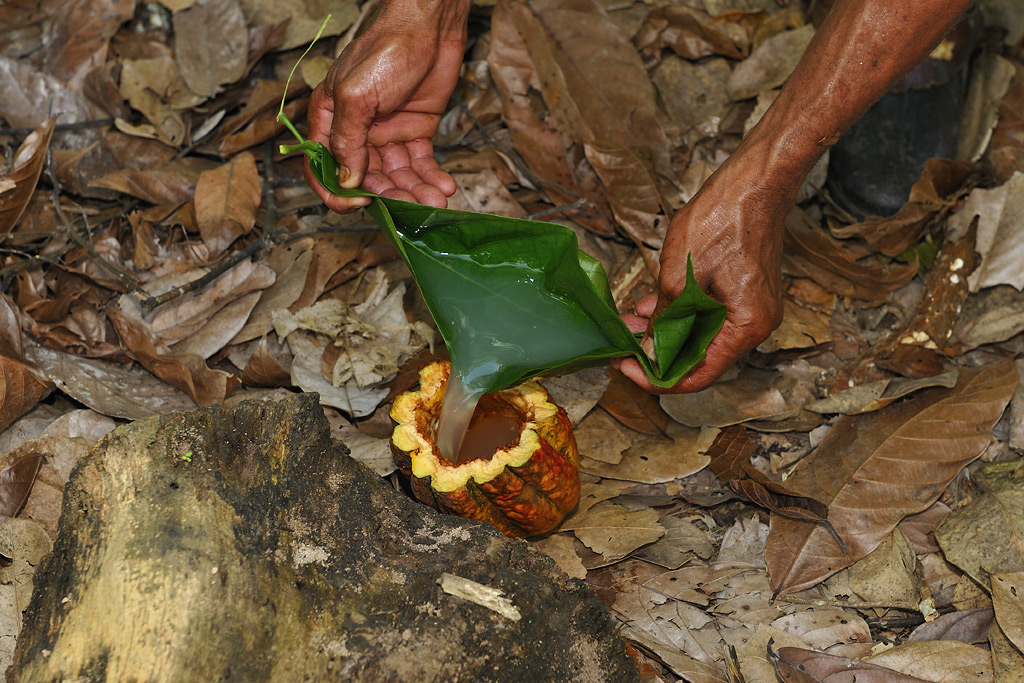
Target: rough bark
240 544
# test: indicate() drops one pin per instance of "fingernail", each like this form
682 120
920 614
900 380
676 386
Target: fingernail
343 174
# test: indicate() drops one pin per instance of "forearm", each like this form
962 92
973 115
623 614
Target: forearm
860 51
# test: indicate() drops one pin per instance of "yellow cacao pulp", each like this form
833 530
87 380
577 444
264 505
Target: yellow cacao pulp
523 488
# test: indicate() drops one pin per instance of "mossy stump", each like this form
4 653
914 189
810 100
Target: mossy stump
240 544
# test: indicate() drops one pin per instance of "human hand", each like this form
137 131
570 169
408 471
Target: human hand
733 228
382 100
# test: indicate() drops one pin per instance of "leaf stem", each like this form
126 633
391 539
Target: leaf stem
281 117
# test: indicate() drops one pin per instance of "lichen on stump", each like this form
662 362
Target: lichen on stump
241 544
524 488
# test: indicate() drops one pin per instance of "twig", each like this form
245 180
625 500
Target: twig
122 276
582 204
152 302
822 602
270 231
59 128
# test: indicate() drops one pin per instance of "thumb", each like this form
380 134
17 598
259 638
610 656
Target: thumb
349 131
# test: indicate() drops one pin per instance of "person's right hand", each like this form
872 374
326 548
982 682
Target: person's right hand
382 100
733 229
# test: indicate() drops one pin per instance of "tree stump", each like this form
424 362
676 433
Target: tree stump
241 544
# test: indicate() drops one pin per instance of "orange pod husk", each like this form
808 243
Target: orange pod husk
523 489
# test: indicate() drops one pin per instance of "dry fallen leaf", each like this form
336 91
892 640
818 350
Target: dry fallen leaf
18 184
632 406
613 531
226 201
938 660
109 388
16 482
217 47
654 461
1008 600
19 391
1007 660
795 665
975 537
893 463
999 233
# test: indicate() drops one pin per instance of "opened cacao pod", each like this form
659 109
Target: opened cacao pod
524 487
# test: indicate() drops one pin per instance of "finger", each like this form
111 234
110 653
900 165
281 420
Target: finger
646 305
635 323
631 368
331 200
397 165
421 156
353 113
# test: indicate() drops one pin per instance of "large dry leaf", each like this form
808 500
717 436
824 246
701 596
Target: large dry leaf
170 184
967 626
185 371
633 195
753 395
613 531
632 406
535 133
1008 601
18 184
770 64
1007 660
655 461
303 18
77 40
109 388
795 665
29 95
226 202
986 536
875 469
19 391
185 315
212 45
992 315
946 661
825 628
812 252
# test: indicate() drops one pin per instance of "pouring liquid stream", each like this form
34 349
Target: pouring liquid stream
491 342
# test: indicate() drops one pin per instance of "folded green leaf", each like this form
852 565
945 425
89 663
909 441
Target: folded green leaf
515 299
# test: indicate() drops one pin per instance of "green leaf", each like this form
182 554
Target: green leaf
516 299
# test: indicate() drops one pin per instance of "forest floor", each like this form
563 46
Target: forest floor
850 496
